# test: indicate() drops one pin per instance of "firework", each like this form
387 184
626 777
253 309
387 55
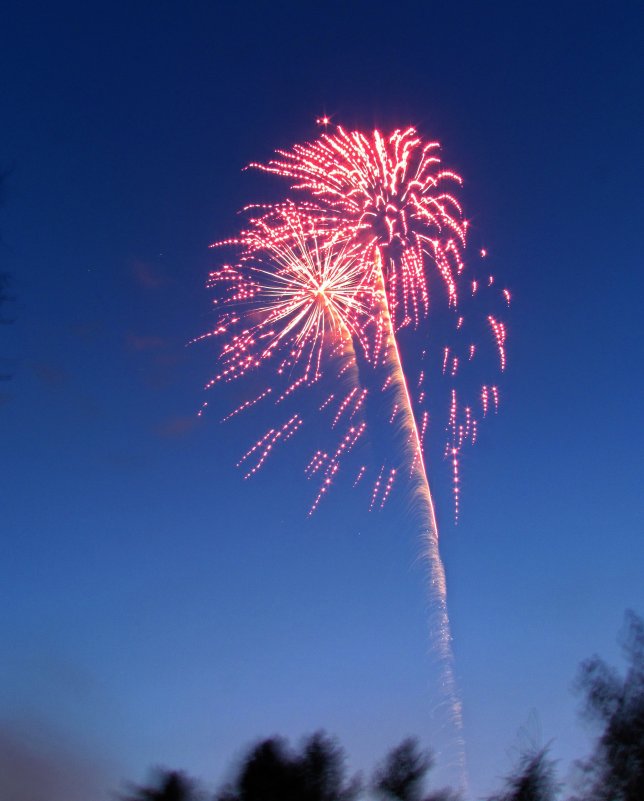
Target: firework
375 238
295 300
297 286
389 194
389 197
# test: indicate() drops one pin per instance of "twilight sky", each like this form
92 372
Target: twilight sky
156 609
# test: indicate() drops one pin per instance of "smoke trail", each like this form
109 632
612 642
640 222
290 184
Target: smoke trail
439 626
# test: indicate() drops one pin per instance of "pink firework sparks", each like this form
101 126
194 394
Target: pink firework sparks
360 474
296 299
389 196
376 237
354 262
388 193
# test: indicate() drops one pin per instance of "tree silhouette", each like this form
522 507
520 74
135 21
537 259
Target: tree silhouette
533 780
170 785
401 775
272 772
321 768
616 770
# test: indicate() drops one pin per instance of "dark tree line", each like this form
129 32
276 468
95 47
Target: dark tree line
615 772
533 780
272 771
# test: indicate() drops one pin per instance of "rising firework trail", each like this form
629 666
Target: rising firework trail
375 235
440 629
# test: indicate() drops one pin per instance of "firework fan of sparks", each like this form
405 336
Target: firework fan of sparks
300 285
297 299
390 194
332 280
391 199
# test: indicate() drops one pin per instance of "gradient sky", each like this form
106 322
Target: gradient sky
156 609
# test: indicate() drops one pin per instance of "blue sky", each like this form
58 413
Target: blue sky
158 609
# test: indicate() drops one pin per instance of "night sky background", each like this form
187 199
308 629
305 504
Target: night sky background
156 609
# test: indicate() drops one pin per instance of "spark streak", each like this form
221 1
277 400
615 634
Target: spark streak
438 585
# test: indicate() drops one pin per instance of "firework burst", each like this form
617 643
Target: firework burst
297 285
295 301
376 237
389 194
390 198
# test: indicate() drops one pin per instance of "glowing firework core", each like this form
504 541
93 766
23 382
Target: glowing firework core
386 193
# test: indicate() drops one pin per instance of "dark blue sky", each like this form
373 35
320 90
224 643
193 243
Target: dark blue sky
157 609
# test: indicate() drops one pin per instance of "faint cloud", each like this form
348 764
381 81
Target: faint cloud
51 375
139 342
7 367
127 459
87 332
160 358
148 276
176 427
88 405
56 379
34 766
